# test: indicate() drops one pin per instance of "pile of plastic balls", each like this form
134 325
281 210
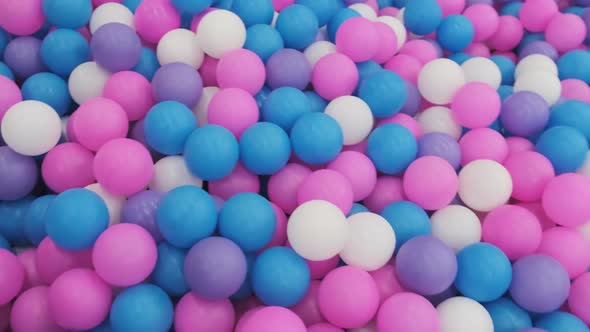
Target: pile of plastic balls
294 166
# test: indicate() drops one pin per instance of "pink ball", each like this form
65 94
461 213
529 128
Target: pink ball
575 89
197 19
565 32
124 255
422 50
233 108
324 327
530 172
319 269
4 317
406 66
281 4
537 209
154 18
518 144
405 120
28 259
389 11
513 229
478 49
535 15
388 189
12 277
283 186
308 308
193 313
240 180
431 182
387 282
408 312
450 7
273 319
21 17
132 91
67 166
327 185
70 133
242 69
476 105
358 307
359 170
569 247
359 147
565 199
10 94
123 166
483 143
388 42
52 261
30 312
508 34
485 20
358 38
334 75
74 312
579 298
280 235
208 71
98 121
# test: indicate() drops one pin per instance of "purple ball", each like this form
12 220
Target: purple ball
413 100
115 47
351 2
426 265
441 145
215 268
474 2
524 113
583 3
288 67
539 47
18 175
179 82
23 56
137 133
539 283
140 209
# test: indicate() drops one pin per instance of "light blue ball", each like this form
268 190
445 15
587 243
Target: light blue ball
392 148
148 63
316 138
298 25
506 67
253 11
565 147
167 126
323 9
50 89
265 148
67 14
34 221
12 214
572 65
408 220
76 218
505 91
571 113
317 103
511 9
192 7
211 152
576 10
5 71
222 4
263 40
4 243
245 290
132 4
142 308
249 220
186 215
4 39
459 57
560 321
62 50
336 21
357 208
284 106
422 17
168 273
280 277
508 316
455 33
385 92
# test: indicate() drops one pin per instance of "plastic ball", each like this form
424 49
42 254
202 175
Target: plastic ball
571 113
507 316
241 69
563 199
288 67
148 63
168 273
484 192
384 92
87 82
506 66
276 150
130 90
359 170
463 313
50 89
422 16
171 172
51 261
22 18
238 181
298 25
564 158
534 63
13 280
115 47
365 10
110 12
201 109
508 34
455 33
316 138
253 12
484 18
483 143
457 226
476 96
560 23
67 14
408 312
142 307
23 318
318 50
263 40
433 89
221 31
283 186
334 75
392 148
430 182
308 308
154 19
440 145
284 106
543 83
178 82
18 174
5 70
234 109
357 38
67 166
482 70
98 121
180 45
524 113
354 117
398 27
535 15
113 202
34 220
140 209
191 7
194 312
568 65
407 219
167 127
23 56
578 298
575 257
389 45
323 327
530 172
338 18
561 321
211 161
273 318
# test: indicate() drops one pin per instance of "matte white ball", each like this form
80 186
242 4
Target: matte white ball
457 226
533 63
111 12
542 83
484 70
463 314
31 127
439 119
171 172
398 27
365 10
180 45
317 230
484 185
400 14
200 110
439 79
371 241
87 81
354 117
221 31
113 202
318 50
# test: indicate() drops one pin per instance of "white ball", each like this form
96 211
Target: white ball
535 62
585 230
439 79
465 315
221 31
111 12
354 117
180 45
365 10
31 127
87 81
400 14
113 202
371 241
318 50
171 172
542 83
398 27
484 185
457 226
275 17
439 119
200 110
317 230
484 70
585 168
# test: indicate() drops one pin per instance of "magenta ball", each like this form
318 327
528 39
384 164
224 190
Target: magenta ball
327 185
234 109
358 38
98 121
308 308
565 199
483 143
280 235
388 189
359 170
12 278
10 95
431 182
132 91
154 18
319 269
283 186
387 282
30 312
530 172
242 69
193 313
240 180
569 247
476 105
67 166
334 75
22 18
273 319
28 259
323 327
407 312
52 261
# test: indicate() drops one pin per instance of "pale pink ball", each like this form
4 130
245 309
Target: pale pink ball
508 34
535 15
569 247
234 109
197 19
575 89
537 209
67 166
308 308
193 313
30 312
240 180
132 91
10 94
530 172
283 186
406 66
485 20
208 71
565 32
483 143
242 69
408 312
21 17
319 269
28 259
565 199
154 18
579 298
389 11
388 42
519 144
478 49
431 182
450 7
405 120
324 327
388 189
52 261
476 105
12 277
98 121
281 4
422 50
273 319
280 235
327 185
334 75
359 170
358 38
387 282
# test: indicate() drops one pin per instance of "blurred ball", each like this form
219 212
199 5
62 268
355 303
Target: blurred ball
221 31
524 113
564 157
66 13
193 312
316 138
434 191
264 148
455 33
50 89
407 219
288 67
167 127
535 63
115 47
180 45
463 313
263 40
422 16
23 56
18 174
354 117
384 92
234 109
496 184
171 172
132 91
334 75
542 83
241 69
110 12
483 70
153 19
87 81
507 315
67 166
457 226
434 90
407 311
392 148
98 121
13 280
23 318
298 25
439 119
142 307
140 209
358 38
284 106
168 273
177 82
563 199
561 321
211 161
22 19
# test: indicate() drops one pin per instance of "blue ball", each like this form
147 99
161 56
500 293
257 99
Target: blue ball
5 70
408 220
455 33
511 9
191 7
132 4
67 14
186 215
367 69
571 113
392 148
385 92
298 25
34 220
384 3
571 65
262 95
505 91
506 67
168 273
422 17
340 17
245 290
4 243
484 272
167 126
211 152
399 3
222 4
76 218
316 138
148 63
50 89
357 208
459 57
12 226
565 147
62 50
4 39
317 103
323 9
560 321
576 10
253 11
284 106
280 277
265 148
249 220
263 40
508 316
142 308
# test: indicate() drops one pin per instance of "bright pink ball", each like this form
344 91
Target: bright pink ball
535 15
579 298
565 32
52 261
12 277
98 121
388 189
530 172
575 89
70 133
358 38
334 75
408 312
10 94
422 50
478 49
431 182
208 71
193 313
483 143
308 308
240 180
388 43
283 186
513 229
323 327
387 283
565 199
154 18
124 255
132 91
327 185
21 17
319 269
280 235
406 66
234 109
518 144
4 317
197 19
358 307
123 166
569 247
508 34
476 105
405 120
273 319
30 312
67 166
450 7
28 259
281 4
359 170
485 20
242 69
389 11
537 209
